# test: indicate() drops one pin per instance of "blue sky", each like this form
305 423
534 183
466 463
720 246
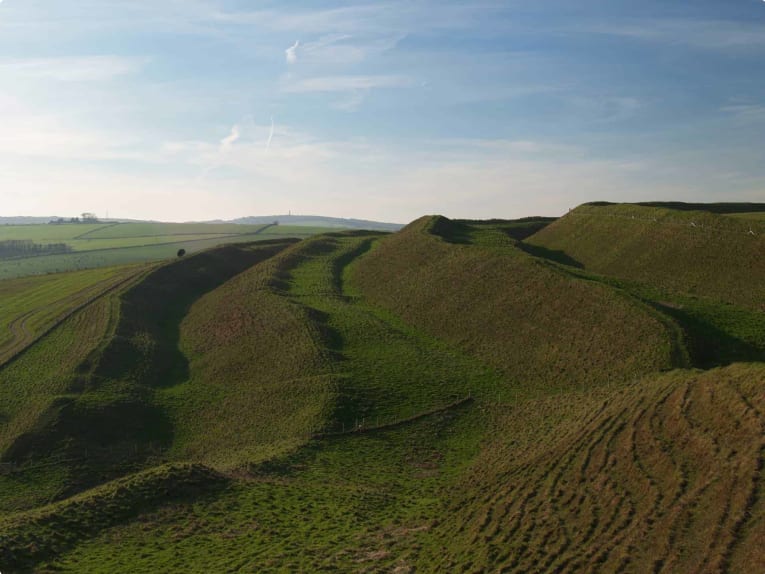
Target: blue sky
203 109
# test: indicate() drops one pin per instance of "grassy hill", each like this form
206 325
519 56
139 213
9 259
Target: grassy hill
542 328
694 252
457 397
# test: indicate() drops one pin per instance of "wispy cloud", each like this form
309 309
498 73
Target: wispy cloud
230 139
746 113
291 52
270 135
72 69
347 49
706 34
347 83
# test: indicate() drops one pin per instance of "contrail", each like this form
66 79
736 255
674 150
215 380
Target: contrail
270 134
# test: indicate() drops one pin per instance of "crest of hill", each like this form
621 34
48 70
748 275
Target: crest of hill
694 252
722 208
539 326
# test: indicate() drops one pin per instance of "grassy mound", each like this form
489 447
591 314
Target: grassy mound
384 369
690 252
352 503
542 328
26 539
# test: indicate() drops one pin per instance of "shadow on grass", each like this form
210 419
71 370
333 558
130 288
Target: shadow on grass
112 425
551 255
710 346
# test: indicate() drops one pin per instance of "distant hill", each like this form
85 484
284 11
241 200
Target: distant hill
25 220
298 220
319 221
37 220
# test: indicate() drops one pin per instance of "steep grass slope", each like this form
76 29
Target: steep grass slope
355 503
107 421
33 385
542 328
692 252
258 379
385 370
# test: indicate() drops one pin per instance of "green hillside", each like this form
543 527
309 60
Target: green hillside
544 329
694 252
458 396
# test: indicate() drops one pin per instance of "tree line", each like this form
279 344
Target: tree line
27 248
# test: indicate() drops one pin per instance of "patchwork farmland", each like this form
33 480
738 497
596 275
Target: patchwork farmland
92 245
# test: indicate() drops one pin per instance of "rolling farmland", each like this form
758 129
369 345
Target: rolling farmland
33 305
95 245
459 396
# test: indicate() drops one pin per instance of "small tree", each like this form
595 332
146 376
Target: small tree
181 252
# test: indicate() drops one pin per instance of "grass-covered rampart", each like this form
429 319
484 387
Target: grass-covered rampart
544 329
687 252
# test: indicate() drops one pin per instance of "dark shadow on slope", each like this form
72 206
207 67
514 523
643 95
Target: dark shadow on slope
112 426
551 255
708 330
349 401
708 345
518 229
145 347
450 231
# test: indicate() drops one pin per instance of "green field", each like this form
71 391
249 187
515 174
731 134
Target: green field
112 244
32 305
504 396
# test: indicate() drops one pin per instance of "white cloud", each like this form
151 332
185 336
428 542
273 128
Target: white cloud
73 69
230 139
705 34
346 83
459 178
291 52
347 49
27 133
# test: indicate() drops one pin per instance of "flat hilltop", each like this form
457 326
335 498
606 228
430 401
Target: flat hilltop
580 394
